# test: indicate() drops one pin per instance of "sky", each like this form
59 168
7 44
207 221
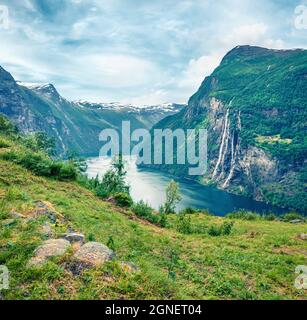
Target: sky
137 51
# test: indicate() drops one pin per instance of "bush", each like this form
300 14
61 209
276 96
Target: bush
190 211
226 228
6 126
214 231
123 199
292 216
142 209
67 171
223 230
4 143
270 217
183 224
244 215
42 165
163 221
101 192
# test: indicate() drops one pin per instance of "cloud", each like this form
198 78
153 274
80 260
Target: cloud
252 34
136 50
198 69
119 71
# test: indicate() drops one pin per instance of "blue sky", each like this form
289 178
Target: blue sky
136 51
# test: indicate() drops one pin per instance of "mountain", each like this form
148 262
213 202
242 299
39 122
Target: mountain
74 125
254 106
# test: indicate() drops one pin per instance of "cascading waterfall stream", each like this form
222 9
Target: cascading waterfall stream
222 145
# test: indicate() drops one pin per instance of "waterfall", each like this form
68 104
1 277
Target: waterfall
234 154
224 152
224 136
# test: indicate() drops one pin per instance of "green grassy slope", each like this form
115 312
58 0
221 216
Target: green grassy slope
257 261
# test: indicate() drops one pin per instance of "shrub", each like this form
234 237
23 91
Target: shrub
189 211
223 230
142 209
214 231
111 243
292 216
270 217
101 192
67 171
244 215
5 125
91 237
42 165
226 228
183 224
4 143
123 199
163 220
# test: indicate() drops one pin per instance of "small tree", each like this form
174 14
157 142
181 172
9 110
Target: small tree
172 197
119 165
114 180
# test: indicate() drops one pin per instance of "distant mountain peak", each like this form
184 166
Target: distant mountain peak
48 90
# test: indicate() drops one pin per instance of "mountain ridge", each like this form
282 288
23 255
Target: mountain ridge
254 108
40 107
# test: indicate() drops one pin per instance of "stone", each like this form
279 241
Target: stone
129 267
296 221
8 222
16 215
46 230
94 254
45 208
74 237
302 236
49 248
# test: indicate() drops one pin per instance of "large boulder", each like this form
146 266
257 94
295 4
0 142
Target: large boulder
49 248
93 254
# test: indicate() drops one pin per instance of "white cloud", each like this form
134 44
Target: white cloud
198 69
252 34
118 71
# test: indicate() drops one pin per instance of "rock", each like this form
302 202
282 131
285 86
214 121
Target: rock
94 254
16 215
302 236
50 248
74 237
46 230
129 267
296 221
111 200
8 222
45 208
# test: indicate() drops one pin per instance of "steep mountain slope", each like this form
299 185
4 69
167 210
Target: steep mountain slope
254 106
75 126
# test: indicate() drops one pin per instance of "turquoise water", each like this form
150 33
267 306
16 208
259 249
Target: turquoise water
150 186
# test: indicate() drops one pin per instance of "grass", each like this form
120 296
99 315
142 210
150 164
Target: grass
256 261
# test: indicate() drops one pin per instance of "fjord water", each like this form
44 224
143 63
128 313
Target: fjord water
149 185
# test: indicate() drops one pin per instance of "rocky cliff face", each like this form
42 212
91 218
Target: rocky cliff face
74 125
231 166
254 107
